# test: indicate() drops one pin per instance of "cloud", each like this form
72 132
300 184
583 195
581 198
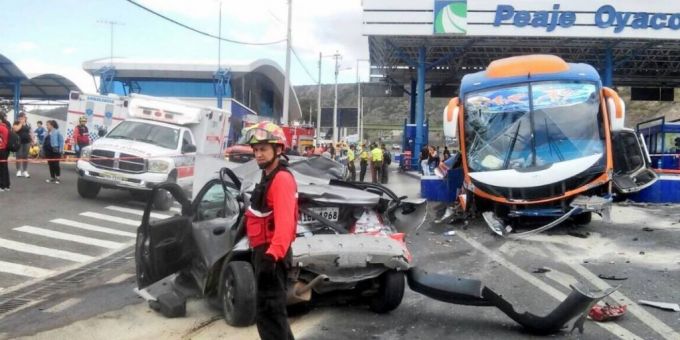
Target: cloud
27 46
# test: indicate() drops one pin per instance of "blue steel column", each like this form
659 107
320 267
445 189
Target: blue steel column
607 78
17 96
222 85
420 103
412 111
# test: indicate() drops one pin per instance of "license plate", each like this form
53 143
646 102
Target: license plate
111 176
330 214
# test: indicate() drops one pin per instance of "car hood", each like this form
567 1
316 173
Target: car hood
132 147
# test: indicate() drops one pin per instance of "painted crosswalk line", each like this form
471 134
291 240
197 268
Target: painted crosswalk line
110 218
23 270
136 212
37 250
70 237
92 227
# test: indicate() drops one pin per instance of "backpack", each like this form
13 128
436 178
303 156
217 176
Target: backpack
14 141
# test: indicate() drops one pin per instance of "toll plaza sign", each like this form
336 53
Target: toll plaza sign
643 19
606 16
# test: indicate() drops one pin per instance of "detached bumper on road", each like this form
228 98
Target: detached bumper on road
143 181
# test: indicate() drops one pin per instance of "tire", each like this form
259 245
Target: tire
237 293
390 292
163 200
88 189
583 218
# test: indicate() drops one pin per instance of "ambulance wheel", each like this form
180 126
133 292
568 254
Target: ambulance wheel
390 292
88 189
163 200
582 218
237 293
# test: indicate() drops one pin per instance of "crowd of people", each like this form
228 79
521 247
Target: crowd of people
20 139
430 159
376 155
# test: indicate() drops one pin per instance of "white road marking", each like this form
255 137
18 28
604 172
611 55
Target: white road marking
644 316
63 305
70 237
92 227
110 218
23 270
136 212
120 278
615 329
37 250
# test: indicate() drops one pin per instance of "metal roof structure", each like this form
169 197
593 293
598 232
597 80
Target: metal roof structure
636 62
10 71
48 86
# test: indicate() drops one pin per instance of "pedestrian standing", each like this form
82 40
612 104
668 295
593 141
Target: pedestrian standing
376 163
424 159
271 222
350 163
446 154
387 160
433 159
81 135
363 162
53 149
23 129
40 132
4 153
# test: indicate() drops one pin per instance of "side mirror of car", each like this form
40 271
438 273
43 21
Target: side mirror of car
187 148
101 132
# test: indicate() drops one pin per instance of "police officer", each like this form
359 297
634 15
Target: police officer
387 160
271 221
376 163
81 135
363 162
350 163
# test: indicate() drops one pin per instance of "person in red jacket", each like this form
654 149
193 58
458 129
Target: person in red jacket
4 152
81 136
271 222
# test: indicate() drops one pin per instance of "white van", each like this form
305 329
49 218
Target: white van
157 143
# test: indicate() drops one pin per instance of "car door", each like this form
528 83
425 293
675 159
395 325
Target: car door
632 169
218 214
164 246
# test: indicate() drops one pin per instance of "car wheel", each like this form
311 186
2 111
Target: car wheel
88 189
390 292
163 200
238 293
583 218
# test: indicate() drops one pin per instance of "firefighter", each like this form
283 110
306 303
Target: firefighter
363 162
81 135
350 163
376 163
271 221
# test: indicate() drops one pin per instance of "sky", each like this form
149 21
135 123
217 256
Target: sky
57 36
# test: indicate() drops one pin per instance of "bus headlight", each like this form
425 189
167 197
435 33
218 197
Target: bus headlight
159 165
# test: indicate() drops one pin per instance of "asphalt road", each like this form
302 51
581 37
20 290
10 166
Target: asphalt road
104 306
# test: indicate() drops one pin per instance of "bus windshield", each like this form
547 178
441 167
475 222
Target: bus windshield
532 125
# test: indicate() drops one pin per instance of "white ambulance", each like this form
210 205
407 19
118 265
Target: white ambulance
103 113
157 143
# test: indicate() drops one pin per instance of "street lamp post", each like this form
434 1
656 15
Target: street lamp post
359 113
286 90
337 57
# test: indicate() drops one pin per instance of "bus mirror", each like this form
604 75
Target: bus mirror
451 113
616 108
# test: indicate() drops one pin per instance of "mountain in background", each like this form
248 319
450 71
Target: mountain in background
393 111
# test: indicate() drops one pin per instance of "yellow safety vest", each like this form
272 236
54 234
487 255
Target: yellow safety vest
350 155
364 154
377 155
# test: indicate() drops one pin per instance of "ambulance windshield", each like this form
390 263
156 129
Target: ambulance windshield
532 125
162 136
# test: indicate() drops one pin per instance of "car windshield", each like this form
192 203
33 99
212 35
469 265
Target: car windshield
531 125
162 136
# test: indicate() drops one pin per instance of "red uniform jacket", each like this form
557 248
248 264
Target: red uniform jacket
81 138
4 136
276 223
